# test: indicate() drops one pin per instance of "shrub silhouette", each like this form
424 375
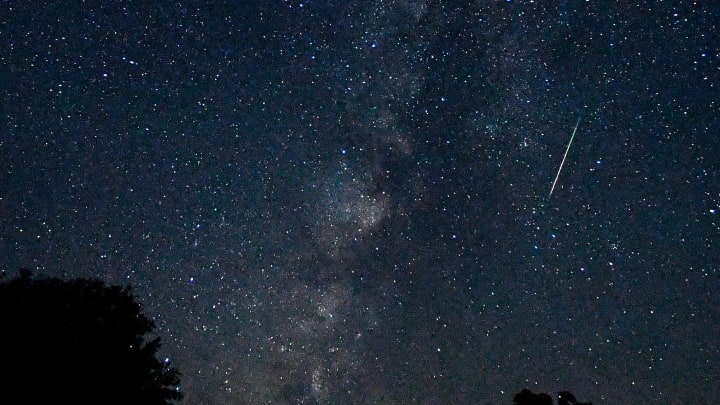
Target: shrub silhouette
527 397
78 342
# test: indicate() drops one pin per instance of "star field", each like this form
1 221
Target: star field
348 202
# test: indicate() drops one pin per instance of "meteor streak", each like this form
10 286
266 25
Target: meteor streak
564 157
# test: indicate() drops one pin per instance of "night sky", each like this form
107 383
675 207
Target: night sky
348 201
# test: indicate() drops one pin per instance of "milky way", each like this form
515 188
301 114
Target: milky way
348 203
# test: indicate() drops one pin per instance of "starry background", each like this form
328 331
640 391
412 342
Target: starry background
347 202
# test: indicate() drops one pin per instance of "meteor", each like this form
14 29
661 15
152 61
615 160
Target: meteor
565 156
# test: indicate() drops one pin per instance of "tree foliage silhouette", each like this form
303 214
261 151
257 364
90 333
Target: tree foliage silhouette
78 341
527 397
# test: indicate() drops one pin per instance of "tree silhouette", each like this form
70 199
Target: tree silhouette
527 397
79 342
